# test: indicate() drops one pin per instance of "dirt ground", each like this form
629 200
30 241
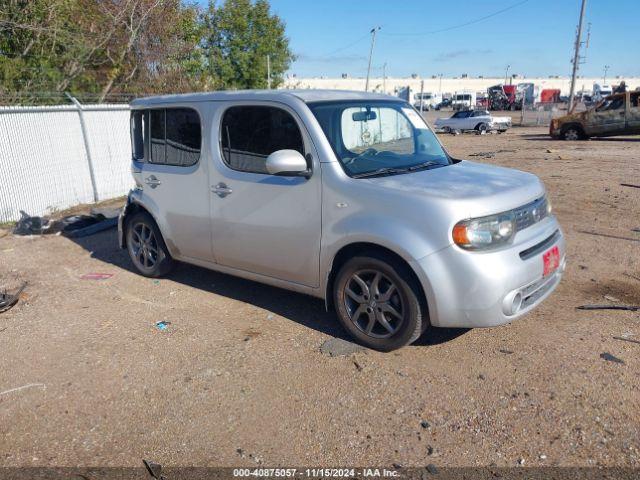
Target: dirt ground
238 377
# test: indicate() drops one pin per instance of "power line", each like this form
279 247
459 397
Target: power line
471 22
342 49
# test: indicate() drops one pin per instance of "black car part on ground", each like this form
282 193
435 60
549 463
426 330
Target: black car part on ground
8 300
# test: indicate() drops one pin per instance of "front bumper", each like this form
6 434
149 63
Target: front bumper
477 289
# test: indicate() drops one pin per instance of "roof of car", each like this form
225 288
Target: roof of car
307 96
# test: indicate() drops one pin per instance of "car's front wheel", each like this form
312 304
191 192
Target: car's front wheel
378 302
572 133
146 246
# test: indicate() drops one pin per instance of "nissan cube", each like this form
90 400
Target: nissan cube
347 196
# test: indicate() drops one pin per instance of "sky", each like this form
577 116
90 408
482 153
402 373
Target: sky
534 37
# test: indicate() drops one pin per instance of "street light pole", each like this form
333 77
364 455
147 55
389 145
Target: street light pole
373 41
440 87
384 78
604 79
506 74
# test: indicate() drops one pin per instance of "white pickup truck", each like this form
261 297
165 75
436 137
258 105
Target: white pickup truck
478 120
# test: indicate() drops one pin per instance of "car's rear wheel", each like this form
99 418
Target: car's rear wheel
378 302
482 127
146 246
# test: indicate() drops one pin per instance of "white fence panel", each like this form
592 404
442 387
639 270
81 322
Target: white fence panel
43 160
110 146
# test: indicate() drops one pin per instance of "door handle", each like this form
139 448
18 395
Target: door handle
221 190
152 181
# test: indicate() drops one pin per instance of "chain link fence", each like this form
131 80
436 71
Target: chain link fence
54 157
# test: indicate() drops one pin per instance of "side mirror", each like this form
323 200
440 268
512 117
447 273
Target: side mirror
287 163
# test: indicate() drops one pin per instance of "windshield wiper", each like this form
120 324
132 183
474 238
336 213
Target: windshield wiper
381 172
420 166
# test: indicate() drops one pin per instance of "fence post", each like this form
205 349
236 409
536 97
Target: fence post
87 149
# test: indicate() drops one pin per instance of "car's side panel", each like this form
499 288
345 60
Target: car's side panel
605 122
269 225
178 198
633 113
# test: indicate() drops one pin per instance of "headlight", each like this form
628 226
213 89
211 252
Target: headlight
485 232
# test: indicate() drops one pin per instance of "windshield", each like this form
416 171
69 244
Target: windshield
463 97
379 138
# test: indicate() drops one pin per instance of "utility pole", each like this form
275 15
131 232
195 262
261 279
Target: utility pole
384 78
506 74
421 95
440 87
576 57
604 79
268 72
373 41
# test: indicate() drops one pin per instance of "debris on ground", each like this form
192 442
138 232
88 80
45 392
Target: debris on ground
154 469
505 351
432 469
73 226
626 340
8 300
23 387
490 154
358 366
28 225
611 358
337 347
96 276
630 185
606 235
425 424
632 308
162 325
611 298
78 226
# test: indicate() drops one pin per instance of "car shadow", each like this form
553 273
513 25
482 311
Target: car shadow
303 309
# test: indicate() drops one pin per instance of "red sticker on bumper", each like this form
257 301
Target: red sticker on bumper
551 261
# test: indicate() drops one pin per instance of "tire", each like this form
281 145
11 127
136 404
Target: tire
393 319
572 132
446 129
146 247
482 127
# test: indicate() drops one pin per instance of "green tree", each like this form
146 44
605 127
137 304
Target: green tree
238 36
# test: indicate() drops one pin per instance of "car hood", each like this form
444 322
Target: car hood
471 189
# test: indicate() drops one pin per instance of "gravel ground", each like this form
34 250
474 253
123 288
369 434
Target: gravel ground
242 376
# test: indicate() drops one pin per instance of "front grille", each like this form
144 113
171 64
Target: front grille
531 213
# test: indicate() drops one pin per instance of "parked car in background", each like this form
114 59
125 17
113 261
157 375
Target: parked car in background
346 196
601 91
478 120
617 114
465 100
446 102
426 100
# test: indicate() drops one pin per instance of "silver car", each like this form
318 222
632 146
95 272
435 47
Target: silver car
346 196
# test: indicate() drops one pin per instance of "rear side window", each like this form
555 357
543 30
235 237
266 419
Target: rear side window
175 137
138 135
250 134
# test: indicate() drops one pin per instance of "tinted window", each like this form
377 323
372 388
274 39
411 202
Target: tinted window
175 137
157 137
183 137
137 134
250 134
